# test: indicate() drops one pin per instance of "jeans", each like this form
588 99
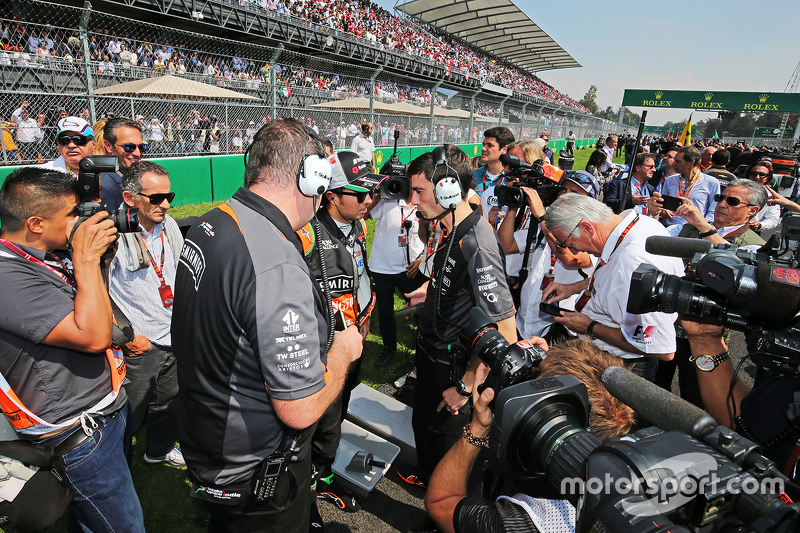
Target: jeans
105 499
385 285
151 392
644 367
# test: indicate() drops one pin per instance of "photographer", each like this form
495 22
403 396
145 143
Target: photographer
447 499
55 332
768 415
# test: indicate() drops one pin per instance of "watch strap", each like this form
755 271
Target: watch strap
590 328
461 388
708 233
717 359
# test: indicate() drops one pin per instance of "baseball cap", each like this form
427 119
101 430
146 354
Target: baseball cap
539 142
352 172
586 181
75 124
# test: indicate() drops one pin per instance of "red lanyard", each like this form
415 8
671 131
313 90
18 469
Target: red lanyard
68 279
685 193
587 294
159 271
641 190
433 248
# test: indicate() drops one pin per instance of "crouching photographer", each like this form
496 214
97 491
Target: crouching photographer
536 506
61 380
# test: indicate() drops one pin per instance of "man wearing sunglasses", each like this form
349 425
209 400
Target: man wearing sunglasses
122 137
141 278
342 234
74 141
736 205
584 224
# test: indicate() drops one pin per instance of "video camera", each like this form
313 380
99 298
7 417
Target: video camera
687 474
540 175
398 185
747 291
126 219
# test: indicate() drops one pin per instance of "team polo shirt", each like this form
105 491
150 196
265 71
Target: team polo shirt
56 384
651 332
248 326
473 276
701 194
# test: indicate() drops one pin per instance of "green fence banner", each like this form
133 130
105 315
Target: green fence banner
773 133
713 100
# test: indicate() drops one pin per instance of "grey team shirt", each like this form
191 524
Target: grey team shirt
246 327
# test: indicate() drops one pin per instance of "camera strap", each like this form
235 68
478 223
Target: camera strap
64 273
523 272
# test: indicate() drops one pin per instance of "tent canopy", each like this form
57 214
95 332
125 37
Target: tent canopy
497 27
169 86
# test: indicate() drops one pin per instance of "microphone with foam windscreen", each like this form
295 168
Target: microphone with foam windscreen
512 161
658 406
676 246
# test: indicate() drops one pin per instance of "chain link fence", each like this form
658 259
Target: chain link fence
195 93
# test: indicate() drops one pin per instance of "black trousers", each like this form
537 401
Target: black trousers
151 393
434 433
687 375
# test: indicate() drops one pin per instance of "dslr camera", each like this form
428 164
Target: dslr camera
125 219
541 176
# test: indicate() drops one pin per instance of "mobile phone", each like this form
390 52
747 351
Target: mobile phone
671 203
552 309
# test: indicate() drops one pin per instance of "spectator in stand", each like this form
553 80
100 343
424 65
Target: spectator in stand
156 143
105 66
9 153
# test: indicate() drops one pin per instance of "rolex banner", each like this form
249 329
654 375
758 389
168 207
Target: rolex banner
713 100
773 132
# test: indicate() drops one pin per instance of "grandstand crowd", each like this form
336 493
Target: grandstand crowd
29 46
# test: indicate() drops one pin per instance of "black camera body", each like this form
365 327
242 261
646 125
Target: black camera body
398 185
541 176
126 219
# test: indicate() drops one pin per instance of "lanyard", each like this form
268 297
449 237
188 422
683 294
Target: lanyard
587 294
159 271
432 248
413 209
66 275
691 183
483 178
641 190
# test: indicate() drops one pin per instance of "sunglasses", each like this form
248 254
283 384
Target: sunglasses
754 174
158 198
563 245
360 196
79 140
130 147
730 200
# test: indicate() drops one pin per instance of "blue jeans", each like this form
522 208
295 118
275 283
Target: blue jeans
385 285
105 499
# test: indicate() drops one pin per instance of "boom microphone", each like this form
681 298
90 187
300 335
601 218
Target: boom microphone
512 161
676 246
660 407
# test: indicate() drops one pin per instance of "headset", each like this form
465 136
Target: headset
315 172
447 191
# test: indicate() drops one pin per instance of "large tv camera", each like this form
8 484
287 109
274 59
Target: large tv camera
398 185
686 474
747 291
125 219
540 175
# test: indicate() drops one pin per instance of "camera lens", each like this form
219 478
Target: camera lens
125 220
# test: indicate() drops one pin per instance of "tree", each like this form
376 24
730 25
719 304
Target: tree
589 99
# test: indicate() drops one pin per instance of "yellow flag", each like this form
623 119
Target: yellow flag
686 136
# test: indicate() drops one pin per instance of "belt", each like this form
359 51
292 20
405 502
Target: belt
79 436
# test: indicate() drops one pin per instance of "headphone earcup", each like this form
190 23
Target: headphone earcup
447 192
314 176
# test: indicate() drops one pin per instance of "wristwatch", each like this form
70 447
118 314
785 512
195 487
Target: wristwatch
589 329
462 389
707 363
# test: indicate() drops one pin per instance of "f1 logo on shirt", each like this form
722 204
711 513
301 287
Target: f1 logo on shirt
643 332
290 319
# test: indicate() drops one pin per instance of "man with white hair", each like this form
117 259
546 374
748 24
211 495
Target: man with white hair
584 224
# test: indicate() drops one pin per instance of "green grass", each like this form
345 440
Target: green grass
164 490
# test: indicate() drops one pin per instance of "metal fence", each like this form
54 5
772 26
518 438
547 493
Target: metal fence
84 62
